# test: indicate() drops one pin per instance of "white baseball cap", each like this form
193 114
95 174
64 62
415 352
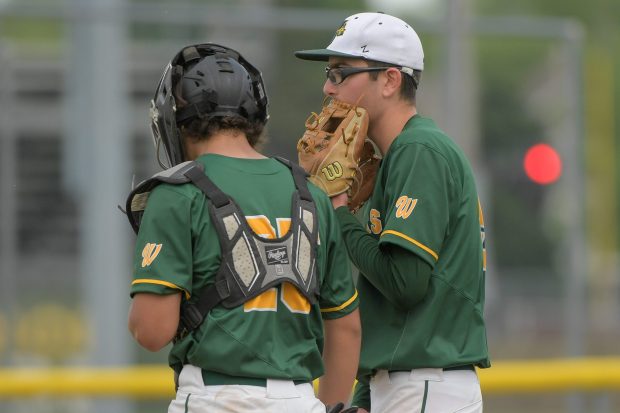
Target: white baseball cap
373 36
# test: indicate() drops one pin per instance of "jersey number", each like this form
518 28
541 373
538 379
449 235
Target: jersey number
289 294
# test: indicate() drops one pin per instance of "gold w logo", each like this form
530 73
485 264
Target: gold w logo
149 253
332 171
341 29
404 206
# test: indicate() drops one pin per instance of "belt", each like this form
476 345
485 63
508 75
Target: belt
464 367
212 378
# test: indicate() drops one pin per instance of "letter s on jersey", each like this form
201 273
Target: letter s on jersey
375 221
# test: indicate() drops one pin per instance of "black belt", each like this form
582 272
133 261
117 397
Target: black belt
453 368
212 378
465 367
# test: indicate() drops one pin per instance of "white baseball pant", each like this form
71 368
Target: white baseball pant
426 391
279 396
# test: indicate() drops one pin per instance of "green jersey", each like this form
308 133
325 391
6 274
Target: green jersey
278 334
425 201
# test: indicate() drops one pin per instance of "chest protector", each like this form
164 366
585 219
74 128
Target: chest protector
250 264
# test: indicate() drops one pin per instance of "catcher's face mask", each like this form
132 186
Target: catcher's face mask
211 81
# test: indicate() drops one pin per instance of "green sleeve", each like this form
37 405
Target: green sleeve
163 254
400 275
418 199
361 395
338 294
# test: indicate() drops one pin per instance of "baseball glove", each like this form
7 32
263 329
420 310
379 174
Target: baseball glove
337 154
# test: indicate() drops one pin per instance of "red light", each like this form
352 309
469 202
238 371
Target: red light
542 164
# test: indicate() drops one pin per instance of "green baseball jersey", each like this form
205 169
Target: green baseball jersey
425 201
277 334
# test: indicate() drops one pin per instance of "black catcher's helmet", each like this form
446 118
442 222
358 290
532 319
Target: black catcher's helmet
213 81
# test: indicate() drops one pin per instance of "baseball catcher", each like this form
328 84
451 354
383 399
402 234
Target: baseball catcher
337 154
228 266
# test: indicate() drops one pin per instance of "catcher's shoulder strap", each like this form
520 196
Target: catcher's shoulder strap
300 177
138 197
251 264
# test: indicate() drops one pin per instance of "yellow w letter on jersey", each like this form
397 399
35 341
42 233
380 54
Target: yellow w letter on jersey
149 253
404 206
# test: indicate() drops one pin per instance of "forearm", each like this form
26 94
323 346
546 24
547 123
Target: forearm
340 357
153 319
400 275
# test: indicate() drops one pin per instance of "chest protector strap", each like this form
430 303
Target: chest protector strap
251 264
138 198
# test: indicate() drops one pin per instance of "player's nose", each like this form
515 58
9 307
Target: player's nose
329 88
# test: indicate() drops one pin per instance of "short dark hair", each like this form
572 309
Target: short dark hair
409 85
203 128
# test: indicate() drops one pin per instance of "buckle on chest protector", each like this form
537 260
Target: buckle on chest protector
193 315
190 319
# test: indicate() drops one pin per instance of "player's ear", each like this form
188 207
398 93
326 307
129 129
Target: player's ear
392 78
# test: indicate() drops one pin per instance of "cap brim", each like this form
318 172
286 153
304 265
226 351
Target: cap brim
321 55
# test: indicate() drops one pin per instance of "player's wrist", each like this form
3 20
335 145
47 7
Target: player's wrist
340 200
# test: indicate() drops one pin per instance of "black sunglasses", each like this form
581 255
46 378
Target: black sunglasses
337 75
